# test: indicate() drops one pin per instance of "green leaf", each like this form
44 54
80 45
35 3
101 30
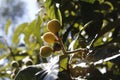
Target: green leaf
110 65
20 55
37 29
4 67
98 42
63 62
108 28
73 45
59 16
19 30
29 30
7 26
89 1
52 10
2 46
4 55
32 48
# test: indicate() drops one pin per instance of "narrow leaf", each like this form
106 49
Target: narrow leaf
63 62
52 10
7 26
29 31
4 55
37 29
17 33
89 1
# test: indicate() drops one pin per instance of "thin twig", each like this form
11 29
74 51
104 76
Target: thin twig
91 43
12 54
62 46
70 52
77 50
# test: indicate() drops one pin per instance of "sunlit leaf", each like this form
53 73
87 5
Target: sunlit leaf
32 48
59 15
73 44
63 62
29 30
52 10
106 7
89 1
110 65
7 26
98 42
37 27
4 55
4 67
2 46
20 55
109 27
19 30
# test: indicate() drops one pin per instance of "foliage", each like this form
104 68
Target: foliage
89 43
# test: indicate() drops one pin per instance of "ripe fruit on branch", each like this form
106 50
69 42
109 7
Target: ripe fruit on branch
45 51
49 37
54 26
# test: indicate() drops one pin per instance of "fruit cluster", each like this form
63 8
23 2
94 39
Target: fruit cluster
51 37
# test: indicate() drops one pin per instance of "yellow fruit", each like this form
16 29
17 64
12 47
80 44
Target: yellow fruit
45 51
54 26
49 37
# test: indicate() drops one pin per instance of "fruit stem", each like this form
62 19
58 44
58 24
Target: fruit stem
70 52
77 50
62 46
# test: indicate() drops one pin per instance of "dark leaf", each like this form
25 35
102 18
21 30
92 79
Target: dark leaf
28 73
